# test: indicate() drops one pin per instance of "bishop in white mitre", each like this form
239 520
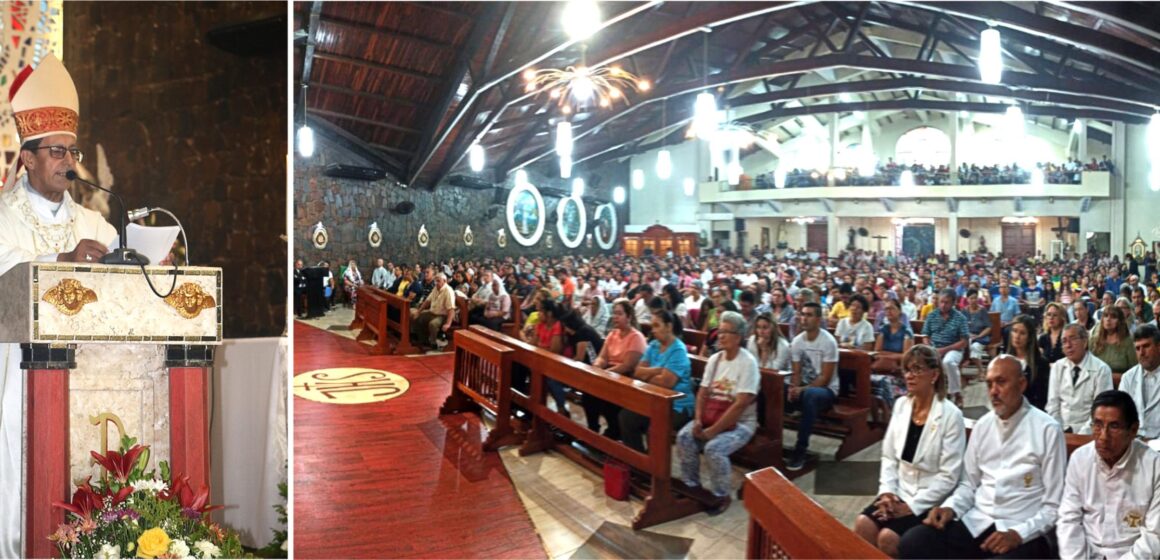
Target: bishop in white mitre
39 221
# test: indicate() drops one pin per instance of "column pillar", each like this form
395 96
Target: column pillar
1081 146
954 147
834 140
833 241
953 235
46 457
1116 220
189 450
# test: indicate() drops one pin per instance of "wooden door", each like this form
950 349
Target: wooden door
817 238
1018 241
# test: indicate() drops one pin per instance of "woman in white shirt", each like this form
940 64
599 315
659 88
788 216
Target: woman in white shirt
767 345
922 454
855 331
595 312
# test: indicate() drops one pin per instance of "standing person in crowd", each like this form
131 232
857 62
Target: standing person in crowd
1111 341
724 417
1111 497
947 331
813 386
916 473
1142 382
351 281
665 363
1075 382
1000 507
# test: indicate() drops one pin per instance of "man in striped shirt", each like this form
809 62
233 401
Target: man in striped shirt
947 331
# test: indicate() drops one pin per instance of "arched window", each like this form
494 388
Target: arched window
924 145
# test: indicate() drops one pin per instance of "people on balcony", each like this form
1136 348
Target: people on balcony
890 173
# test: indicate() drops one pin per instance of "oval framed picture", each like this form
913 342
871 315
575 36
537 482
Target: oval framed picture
320 237
525 214
423 237
468 237
375 237
605 226
571 222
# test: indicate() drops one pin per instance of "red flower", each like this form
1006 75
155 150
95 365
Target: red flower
119 465
194 502
84 501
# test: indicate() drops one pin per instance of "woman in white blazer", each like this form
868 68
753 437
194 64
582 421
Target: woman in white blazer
922 453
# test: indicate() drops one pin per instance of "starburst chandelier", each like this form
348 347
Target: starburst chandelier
579 86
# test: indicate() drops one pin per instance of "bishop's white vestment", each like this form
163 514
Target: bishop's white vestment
32 228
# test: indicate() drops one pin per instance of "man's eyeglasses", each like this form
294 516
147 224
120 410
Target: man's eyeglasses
1114 428
58 152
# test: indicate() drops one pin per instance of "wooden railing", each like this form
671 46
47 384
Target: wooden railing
785 523
661 503
398 321
483 379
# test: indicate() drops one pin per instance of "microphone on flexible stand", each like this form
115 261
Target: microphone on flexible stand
122 254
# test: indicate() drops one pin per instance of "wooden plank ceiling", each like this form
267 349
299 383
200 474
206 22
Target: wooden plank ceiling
413 84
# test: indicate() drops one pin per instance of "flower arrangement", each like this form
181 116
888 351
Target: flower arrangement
132 512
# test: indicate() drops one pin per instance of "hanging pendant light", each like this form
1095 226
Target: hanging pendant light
664 165
565 167
990 56
618 195
705 115
563 138
690 186
305 141
637 179
577 187
475 157
521 177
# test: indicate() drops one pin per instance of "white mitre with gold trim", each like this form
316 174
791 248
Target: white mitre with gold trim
44 102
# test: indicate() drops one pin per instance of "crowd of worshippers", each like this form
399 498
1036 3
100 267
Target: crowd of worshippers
1066 326
890 173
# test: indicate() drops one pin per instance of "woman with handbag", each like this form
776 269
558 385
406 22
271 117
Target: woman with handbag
724 417
922 454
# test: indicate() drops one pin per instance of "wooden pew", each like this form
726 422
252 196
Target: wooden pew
661 503
377 314
483 379
849 419
765 449
785 523
694 340
513 326
462 310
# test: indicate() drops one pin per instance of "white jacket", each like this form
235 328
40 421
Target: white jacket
1071 404
1111 512
938 461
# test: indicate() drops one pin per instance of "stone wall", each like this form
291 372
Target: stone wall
348 207
194 129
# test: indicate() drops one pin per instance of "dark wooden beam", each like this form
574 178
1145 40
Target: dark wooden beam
500 35
378 66
1015 80
1010 16
943 106
393 33
916 83
504 75
315 84
349 141
392 150
361 120
856 28
459 71
1135 16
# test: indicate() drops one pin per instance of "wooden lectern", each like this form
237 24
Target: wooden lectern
51 308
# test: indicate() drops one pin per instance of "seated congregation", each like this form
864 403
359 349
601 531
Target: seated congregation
857 347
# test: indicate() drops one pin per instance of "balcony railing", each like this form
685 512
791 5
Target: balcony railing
1094 184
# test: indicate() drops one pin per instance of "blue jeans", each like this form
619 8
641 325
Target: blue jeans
813 401
717 452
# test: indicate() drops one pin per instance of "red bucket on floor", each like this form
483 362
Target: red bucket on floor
616 479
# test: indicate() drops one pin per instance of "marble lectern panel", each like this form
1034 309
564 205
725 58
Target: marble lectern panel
128 380
71 303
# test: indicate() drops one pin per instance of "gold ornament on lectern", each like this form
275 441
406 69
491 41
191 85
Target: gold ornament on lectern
69 296
190 300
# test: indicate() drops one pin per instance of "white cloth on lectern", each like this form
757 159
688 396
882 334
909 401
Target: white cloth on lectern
32 228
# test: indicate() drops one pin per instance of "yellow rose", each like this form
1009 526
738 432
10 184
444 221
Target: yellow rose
152 543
